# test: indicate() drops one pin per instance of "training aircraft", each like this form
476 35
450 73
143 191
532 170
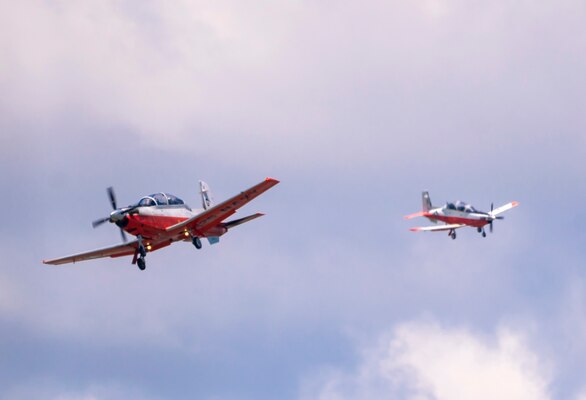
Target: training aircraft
457 215
160 219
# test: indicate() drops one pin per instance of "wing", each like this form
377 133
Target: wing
124 249
437 228
504 208
211 217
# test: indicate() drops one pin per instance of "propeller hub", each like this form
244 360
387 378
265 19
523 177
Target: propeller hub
117 216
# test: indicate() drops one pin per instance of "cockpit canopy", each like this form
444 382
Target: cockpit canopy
160 199
460 206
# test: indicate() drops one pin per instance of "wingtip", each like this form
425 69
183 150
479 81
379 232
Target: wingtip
269 179
417 214
515 203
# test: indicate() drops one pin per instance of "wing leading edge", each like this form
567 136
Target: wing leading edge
213 216
124 249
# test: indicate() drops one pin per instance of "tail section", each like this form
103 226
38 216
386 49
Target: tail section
207 200
426 202
425 207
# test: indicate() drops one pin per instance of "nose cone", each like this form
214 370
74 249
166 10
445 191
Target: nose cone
116 216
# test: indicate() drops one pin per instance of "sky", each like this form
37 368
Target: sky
356 107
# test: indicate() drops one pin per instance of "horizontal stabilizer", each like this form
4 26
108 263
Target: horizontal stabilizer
240 221
418 214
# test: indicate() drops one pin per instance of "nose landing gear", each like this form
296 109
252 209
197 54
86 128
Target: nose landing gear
140 255
196 242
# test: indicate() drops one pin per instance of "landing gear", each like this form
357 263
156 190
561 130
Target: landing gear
140 251
481 230
196 242
483 233
452 234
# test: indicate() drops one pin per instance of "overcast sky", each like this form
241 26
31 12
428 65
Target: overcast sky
356 107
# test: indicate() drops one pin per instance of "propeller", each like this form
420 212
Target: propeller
113 203
492 219
100 221
112 197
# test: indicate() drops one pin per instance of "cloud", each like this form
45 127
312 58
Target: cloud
289 80
424 360
482 101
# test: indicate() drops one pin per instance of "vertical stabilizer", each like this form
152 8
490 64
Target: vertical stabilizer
207 200
426 201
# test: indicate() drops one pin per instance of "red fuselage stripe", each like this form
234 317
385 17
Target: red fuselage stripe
478 223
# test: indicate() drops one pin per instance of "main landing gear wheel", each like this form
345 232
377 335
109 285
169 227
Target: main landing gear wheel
453 235
196 242
141 263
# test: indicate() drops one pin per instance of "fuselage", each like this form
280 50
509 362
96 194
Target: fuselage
153 214
459 214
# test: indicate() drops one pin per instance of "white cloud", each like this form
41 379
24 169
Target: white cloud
423 360
290 80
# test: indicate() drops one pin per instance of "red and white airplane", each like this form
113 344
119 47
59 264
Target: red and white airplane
458 215
160 219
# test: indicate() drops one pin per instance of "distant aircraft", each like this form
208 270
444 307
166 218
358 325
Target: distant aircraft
457 215
160 219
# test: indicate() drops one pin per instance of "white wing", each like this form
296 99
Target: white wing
504 208
119 250
437 228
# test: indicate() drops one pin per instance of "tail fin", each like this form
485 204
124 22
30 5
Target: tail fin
207 200
426 202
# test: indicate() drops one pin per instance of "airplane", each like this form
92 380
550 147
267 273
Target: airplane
457 215
161 219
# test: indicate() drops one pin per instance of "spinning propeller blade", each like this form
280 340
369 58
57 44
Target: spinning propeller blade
100 221
124 239
493 217
112 197
113 203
